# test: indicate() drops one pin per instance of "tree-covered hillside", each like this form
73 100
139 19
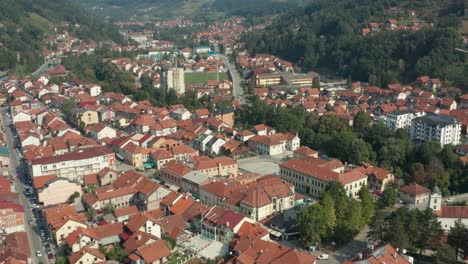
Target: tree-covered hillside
24 23
326 36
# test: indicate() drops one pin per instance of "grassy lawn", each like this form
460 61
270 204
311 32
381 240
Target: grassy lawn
203 77
177 258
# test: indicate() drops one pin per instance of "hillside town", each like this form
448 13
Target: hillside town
92 174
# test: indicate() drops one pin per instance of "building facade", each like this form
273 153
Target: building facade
441 128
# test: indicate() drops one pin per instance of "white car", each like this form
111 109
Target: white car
34 205
323 256
39 253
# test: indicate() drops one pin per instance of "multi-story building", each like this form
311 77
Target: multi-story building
258 199
287 80
221 166
311 176
11 217
175 79
400 119
74 165
440 128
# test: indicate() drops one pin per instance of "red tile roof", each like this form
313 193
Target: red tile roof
154 251
414 189
453 212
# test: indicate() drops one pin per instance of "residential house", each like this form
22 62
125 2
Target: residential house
87 255
304 152
62 220
414 194
221 224
153 253
378 178
100 131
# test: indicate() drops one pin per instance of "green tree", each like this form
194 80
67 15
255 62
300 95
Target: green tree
378 228
91 214
361 121
445 255
429 231
312 225
108 209
117 253
330 215
68 106
388 198
458 238
367 204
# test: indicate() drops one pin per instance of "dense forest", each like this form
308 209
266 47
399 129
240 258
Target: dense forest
256 8
325 36
23 23
425 164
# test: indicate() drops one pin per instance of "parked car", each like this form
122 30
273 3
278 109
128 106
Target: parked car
323 256
39 253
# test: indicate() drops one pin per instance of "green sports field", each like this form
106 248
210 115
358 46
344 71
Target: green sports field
202 77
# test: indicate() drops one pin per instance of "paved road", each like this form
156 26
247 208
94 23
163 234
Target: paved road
461 50
237 89
16 170
43 68
453 199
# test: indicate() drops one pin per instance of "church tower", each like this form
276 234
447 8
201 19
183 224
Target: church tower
435 199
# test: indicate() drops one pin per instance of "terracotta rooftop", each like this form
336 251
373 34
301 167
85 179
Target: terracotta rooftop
414 189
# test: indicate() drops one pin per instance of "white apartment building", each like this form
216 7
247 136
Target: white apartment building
175 79
74 165
400 119
441 128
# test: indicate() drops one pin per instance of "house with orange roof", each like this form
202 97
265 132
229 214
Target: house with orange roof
305 152
62 220
80 238
99 131
258 199
274 144
87 255
144 222
156 252
383 254
175 227
173 172
123 214
377 178
221 224
16 249
414 194
266 252
108 195
220 166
